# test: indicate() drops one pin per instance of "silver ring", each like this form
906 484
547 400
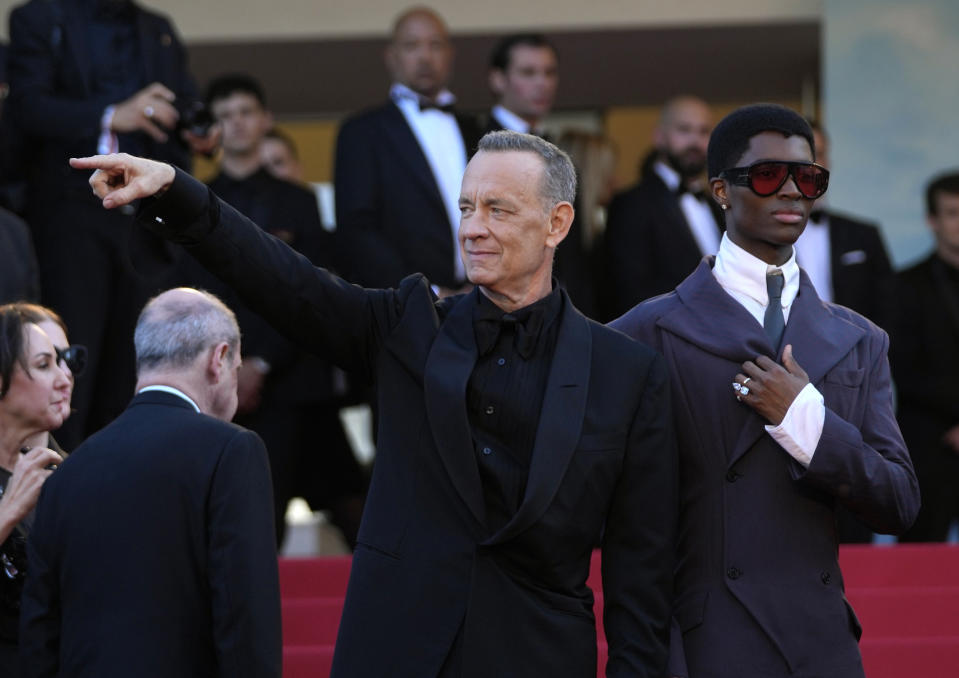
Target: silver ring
148 111
744 391
746 380
737 387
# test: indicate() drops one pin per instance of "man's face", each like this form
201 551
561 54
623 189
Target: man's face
244 122
420 55
528 85
505 230
945 224
683 135
768 227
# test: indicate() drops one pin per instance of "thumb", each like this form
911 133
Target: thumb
789 362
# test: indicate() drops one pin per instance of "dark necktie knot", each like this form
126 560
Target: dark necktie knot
525 325
429 104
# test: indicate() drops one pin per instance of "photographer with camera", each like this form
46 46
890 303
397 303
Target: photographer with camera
88 76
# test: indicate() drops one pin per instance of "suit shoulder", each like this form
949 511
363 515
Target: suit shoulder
854 318
646 313
367 117
611 341
851 223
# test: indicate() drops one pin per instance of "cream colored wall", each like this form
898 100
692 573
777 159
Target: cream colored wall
213 20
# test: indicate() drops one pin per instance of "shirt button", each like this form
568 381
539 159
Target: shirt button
487 450
490 410
734 573
825 577
501 361
732 476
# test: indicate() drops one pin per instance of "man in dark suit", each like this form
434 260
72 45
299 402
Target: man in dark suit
69 97
925 363
523 75
514 433
398 166
657 231
152 548
770 442
19 280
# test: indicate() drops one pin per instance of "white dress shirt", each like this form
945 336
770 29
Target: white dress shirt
509 120
441 141
170 389
743 277
698 215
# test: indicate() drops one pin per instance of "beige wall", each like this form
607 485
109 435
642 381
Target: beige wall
211 20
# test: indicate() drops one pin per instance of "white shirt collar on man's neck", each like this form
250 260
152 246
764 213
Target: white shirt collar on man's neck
510 120
669 176
400 92
738 270
170 389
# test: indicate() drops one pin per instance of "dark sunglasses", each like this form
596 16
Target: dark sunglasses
75 358
767 176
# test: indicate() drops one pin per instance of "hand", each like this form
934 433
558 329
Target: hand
120 178
23 489
772 387
205 145
249 387
150 110
951 438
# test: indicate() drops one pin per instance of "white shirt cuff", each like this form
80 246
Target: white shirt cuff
107 143
801 428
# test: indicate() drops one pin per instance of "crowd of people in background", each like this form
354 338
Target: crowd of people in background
106 76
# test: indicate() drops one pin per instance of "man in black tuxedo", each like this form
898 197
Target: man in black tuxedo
95 76
152 548
514 433
925 334
398 166
659 230
523 75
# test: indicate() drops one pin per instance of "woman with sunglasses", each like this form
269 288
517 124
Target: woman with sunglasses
783 410
36 382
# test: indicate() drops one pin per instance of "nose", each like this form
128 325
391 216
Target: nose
472 227
789 188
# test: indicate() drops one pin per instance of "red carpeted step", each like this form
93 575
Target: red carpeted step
314 577
307 662
311 621
904 658
899 565
907 612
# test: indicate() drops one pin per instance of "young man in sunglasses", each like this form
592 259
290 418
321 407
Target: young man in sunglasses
783 410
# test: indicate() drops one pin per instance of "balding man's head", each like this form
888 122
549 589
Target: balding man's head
682 135
420 55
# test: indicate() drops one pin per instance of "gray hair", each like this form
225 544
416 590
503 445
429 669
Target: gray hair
559 175
173 330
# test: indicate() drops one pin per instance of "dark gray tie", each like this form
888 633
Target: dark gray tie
774 322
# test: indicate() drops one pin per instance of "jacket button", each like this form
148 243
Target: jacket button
732 476
825 576
734 573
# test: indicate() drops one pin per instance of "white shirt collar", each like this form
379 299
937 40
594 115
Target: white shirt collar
737 270
400 92
510 120
170 389
669 176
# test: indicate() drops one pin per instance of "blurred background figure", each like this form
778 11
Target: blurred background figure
399 166
659 229
925 361
577 264
35 389
524 75
279 156
69 97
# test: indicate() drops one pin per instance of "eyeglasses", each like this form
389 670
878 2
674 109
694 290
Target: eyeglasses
766 177
75 358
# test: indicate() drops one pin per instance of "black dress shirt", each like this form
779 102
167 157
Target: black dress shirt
504 396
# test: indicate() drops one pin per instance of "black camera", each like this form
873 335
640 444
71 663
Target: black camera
195 118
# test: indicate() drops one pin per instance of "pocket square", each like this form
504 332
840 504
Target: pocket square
852 257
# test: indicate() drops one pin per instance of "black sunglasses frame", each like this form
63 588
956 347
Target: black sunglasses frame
75 357
740 176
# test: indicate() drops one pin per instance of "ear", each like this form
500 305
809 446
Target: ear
718 188
219 362
560 219
497 81
659 138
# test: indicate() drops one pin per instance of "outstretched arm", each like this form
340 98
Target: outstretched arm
120 178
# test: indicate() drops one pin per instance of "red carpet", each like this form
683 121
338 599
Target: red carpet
907 598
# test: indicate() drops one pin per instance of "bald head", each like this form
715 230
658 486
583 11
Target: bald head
682 135
420 55
178 325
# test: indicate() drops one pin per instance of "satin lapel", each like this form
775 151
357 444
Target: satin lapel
564 407
448 368
74 31
819 338
407 148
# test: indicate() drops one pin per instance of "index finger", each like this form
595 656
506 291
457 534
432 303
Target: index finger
160 90
105 162
766 363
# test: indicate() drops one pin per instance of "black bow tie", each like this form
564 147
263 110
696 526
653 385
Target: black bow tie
525 324
427 104
699 194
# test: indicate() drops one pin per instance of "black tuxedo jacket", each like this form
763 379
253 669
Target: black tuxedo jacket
430 581
862 277
391 220
758 586
649 248
153 554
54 96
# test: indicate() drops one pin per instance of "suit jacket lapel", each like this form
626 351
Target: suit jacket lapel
564 407
73 30
448 368
406 146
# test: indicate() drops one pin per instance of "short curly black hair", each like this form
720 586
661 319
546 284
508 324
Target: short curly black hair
730 138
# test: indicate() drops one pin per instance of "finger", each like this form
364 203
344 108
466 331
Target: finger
766 363
164 114
147 126
789 362
159 90
753 370
104 162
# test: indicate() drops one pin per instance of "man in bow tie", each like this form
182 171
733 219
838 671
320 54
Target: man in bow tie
658 230
399 166
514 433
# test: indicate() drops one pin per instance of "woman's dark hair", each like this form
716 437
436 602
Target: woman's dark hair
730 138
13 319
